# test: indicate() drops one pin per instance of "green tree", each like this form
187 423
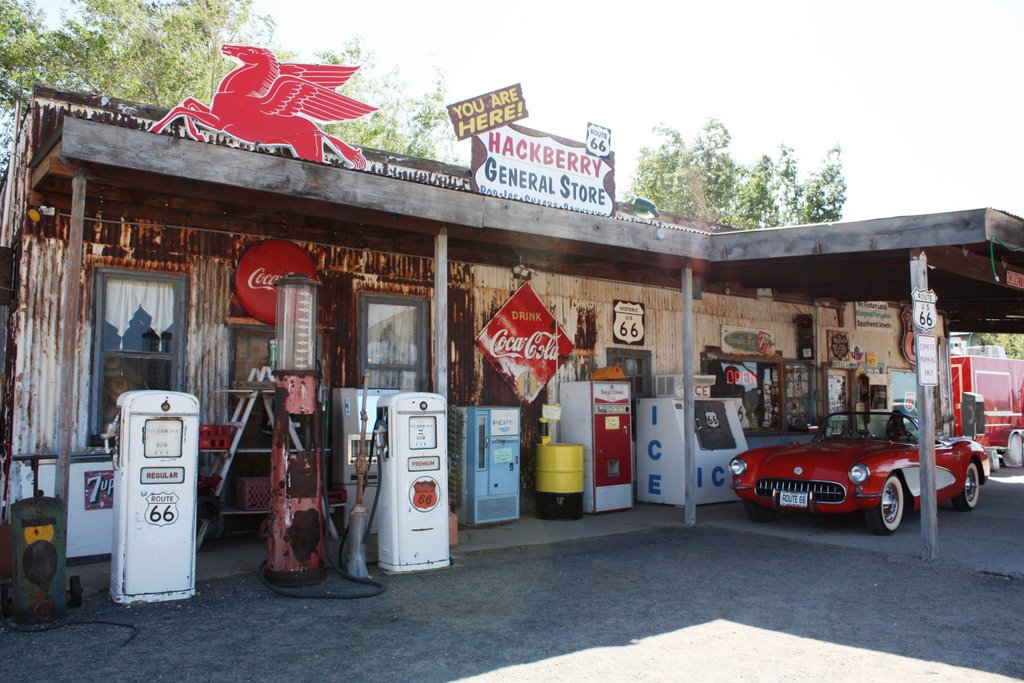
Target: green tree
1013 343
161 51
703 182
825 191
406 123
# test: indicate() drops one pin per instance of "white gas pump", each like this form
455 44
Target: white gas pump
153 557
411 441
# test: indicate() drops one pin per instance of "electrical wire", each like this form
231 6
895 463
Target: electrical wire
992 254
11 626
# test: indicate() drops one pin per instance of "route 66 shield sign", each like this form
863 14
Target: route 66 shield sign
628 324
161 509
925 314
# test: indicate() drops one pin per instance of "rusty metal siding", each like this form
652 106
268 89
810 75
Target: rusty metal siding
207 362
38 321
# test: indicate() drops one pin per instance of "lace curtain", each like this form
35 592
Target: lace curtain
125 297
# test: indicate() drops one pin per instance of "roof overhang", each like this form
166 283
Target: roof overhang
219 187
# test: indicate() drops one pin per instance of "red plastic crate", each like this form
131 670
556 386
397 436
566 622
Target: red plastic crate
252 493
214 437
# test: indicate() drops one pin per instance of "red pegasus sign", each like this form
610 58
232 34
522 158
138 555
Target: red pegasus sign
271 104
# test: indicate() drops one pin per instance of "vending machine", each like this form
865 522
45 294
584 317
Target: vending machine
597 415
489 486
410 437
154 553
661 429
346 427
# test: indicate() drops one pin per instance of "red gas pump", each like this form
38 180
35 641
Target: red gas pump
295 541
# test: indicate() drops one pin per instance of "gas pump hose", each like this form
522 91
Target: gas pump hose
377 587
11 626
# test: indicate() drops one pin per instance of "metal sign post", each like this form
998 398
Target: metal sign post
927 364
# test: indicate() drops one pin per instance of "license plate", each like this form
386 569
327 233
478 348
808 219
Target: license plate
792 499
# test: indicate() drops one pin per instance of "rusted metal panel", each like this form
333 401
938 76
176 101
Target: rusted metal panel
38 317
207 362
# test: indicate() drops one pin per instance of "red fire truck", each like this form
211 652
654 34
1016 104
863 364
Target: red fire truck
988 400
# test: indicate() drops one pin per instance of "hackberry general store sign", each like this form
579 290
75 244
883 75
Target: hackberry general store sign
525 344
514 162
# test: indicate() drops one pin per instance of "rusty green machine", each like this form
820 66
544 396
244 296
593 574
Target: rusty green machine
38 529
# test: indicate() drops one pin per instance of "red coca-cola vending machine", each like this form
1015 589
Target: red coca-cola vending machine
597 415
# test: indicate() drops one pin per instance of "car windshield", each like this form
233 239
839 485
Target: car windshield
882 426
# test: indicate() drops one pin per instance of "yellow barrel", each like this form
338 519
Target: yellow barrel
560 468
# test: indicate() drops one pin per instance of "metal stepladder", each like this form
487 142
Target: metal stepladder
259 386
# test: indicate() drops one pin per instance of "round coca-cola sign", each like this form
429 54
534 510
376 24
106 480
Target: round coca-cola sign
259 269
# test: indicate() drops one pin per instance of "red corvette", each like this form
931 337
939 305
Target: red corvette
857 462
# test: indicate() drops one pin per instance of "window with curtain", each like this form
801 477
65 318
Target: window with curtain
394 340
138 338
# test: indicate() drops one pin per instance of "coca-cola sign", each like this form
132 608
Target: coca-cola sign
259 269
525 344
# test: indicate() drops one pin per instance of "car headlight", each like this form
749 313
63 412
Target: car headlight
738 466
859 473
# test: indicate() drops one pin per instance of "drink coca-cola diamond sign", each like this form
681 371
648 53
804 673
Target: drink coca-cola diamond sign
525 344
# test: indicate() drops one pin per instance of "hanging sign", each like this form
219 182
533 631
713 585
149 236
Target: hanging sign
266 103
513 162
259 269
838 345
873 315
927 360
907 335
745 341
525 344
599 140
628 323
926 317
1014 279
486 112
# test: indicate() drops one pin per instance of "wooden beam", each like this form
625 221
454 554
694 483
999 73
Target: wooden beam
901 233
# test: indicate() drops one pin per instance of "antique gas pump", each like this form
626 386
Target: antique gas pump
153 553
295 540
411 440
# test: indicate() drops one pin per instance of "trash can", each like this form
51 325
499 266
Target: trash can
559 481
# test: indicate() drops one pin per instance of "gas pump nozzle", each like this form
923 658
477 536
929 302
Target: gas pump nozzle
354 552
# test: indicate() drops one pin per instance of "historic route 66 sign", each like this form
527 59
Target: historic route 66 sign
161 509
926 316
628 325
599 140
711 419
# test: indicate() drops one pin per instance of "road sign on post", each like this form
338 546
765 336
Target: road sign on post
925 319
925 315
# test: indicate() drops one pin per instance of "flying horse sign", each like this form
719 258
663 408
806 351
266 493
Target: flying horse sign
264 102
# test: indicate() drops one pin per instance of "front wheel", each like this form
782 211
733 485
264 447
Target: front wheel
1013 456
885 518
759 513
968 498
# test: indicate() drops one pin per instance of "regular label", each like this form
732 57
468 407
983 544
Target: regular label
162 475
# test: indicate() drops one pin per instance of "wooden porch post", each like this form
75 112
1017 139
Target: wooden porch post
689 435
926 422
441 313
68 398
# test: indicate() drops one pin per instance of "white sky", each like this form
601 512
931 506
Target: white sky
925 97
